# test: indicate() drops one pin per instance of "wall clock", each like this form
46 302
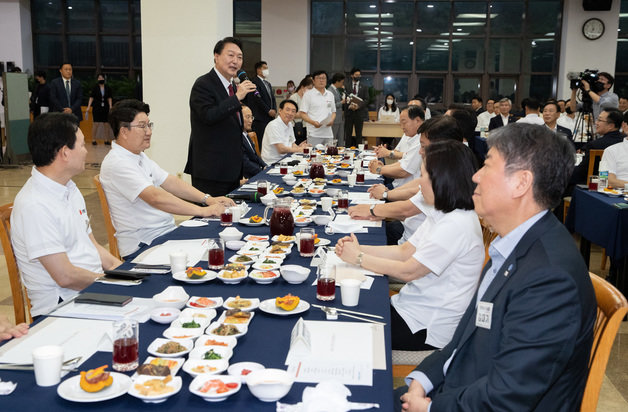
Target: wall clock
593 28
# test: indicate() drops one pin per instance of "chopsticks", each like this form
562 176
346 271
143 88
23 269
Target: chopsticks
348 311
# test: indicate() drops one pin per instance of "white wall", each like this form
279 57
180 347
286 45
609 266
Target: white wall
578 53
286 39
16 42
178 39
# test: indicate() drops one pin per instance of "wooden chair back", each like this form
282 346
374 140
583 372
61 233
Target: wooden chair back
21 303
595 155
111 231
611 309
253 137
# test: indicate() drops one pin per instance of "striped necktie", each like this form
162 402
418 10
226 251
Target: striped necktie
67 92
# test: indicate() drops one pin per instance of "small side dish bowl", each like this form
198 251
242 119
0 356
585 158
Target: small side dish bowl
269 385
294 274
164 314
235 244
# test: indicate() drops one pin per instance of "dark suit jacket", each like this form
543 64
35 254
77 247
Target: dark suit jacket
579 175
215 149
535 355
564 131
497 121
260 106
253 164
363 93
59 98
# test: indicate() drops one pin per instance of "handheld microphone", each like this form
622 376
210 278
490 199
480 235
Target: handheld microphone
249 197
242 76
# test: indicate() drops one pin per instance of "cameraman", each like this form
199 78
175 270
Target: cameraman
603 99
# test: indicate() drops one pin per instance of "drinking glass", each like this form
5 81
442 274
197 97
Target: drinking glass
326 283
306 242
262 187
226 218
216 253
343 200
125 345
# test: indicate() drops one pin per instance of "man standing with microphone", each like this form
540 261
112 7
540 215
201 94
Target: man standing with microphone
215 149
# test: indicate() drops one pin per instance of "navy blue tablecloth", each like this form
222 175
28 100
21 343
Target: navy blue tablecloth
266 342
595 216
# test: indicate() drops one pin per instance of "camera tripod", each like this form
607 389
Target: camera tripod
584 120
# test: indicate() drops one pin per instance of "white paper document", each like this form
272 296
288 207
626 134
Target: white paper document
160 254
346 219
348 270
138 309
78 337
343 351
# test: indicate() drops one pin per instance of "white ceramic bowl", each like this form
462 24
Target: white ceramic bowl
343 173
228 235
197 384
237 368
269 385
321 219
291 182
209 367
235 244
175 383
332 192
294 274
172 296
164 314
223 351
288 178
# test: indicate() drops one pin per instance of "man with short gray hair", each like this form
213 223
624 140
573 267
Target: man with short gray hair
504 117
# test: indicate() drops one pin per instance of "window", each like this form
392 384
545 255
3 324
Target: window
247 26
621 63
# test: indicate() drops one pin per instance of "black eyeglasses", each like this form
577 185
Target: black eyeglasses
150 125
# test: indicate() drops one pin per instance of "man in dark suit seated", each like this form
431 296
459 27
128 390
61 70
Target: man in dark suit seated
524 342
264 105
215 149
503 117
253 164
551 113
607 126
66 94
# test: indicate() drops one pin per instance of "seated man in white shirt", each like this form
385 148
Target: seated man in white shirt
279 134
615 158
531 106
485 117
409 166
56 252
141 195
406 143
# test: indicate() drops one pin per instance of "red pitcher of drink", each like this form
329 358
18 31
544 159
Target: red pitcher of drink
281 221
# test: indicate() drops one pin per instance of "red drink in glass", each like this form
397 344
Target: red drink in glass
359 177
332 150
281 222
125 354
317 170
283 170
343 203
216 258
326 289
306 150
312 155
226 218
262 190
306 246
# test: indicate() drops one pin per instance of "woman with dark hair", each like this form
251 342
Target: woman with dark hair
299 128
389 111
100 101
441 262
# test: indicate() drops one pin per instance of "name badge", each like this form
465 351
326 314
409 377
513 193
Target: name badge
484 314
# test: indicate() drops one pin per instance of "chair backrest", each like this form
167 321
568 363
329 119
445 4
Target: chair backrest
611 309
21 303
253 137
487 237
111 231
595 155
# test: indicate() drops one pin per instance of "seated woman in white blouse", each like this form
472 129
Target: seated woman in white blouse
442 260
389 111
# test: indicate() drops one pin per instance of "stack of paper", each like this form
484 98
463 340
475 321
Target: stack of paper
196 250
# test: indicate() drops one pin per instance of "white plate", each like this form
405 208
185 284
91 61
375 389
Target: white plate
221 365
245 221
199 352
262 280
285 251
70 390
172 333
290 240
299 193
152 348
266 266
254 304
232 281
241 328
200 380
230 341
183 277
176 383
218 302
268 306
222 318
323 242
256 238
178 323
237 368
174 364
206 314
342 182
234 258
302 221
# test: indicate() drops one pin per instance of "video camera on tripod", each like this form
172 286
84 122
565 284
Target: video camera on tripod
590 76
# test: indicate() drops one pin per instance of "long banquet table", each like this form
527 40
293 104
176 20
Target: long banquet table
266 342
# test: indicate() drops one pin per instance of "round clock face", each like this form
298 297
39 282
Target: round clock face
593 29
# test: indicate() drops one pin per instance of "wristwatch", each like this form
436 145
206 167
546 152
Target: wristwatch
378 170
372 211
391 155
207 196
358 261
385 195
